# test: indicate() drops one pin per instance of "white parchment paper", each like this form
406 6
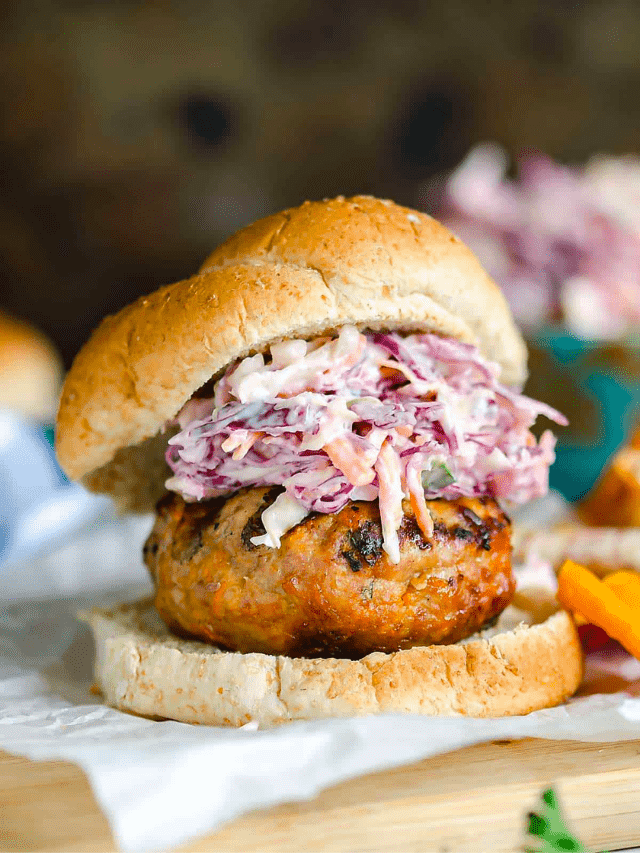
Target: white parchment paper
162 783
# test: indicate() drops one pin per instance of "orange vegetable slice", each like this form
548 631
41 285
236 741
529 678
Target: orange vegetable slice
580 591
626 586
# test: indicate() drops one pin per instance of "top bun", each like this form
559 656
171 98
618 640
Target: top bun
300 273
30 370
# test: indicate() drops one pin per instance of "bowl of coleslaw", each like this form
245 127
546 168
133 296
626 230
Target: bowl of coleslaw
564 244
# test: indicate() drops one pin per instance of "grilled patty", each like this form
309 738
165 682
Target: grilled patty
329 590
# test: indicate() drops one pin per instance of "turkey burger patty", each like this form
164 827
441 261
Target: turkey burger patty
329 590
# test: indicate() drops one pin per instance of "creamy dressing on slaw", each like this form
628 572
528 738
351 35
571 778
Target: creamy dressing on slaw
362 417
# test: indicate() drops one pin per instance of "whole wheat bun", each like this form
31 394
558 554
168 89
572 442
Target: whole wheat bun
142 668
30 370
300 273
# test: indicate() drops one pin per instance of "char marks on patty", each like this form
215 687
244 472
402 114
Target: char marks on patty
330 590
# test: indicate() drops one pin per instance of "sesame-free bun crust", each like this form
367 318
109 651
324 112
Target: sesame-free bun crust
300 273
141 667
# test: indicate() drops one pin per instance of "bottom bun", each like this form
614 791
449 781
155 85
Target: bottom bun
512 668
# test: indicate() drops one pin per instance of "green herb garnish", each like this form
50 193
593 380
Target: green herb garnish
549 830
437 477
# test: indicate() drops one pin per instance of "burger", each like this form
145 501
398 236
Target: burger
327 422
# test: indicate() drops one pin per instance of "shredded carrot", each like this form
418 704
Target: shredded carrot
355 468
418 503
241 451
422 514
580 591
240 447
405 430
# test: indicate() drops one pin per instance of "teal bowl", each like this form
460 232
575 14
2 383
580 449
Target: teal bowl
597 386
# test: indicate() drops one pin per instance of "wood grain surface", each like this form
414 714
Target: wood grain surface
475 799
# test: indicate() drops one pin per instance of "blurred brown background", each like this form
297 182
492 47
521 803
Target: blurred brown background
136 135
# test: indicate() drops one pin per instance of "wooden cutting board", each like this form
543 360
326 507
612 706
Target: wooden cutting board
475 799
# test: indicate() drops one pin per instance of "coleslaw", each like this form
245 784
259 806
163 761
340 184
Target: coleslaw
361 417
563 242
